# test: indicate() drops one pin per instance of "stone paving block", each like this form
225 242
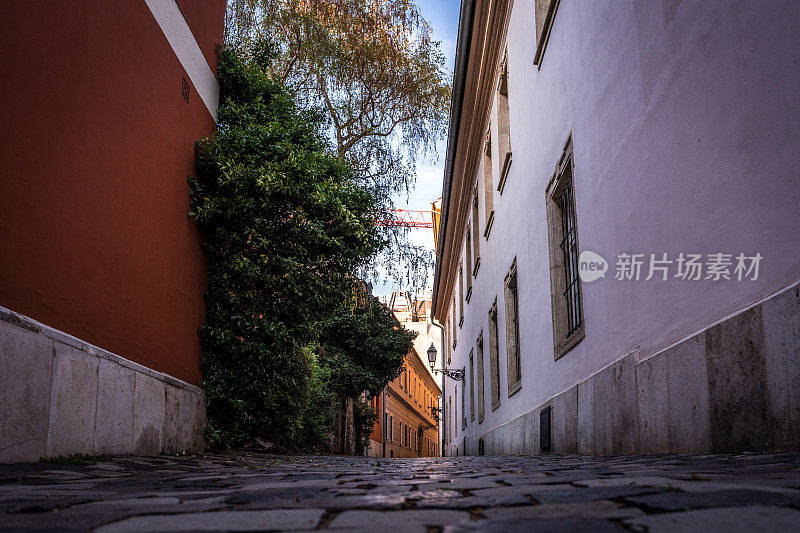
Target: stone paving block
275 496
114 428
368 501
754 518
478 498
710 486
641 481
281 520
398 521
39 505
512 495
26 359
289 485
523 479
595 508
587 494
73 401
540 525
676 501
459 484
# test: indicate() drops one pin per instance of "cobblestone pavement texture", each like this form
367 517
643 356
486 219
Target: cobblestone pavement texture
257 492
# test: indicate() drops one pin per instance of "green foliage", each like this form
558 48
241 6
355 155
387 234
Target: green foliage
364 417
364 348
286 224
378 75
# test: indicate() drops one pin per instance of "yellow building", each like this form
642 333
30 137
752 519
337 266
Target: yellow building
407 425
410 428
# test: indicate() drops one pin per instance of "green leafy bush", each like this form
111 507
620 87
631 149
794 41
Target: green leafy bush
286 225
364 347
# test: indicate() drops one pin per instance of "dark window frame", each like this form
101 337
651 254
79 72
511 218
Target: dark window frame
481 365
513 348
472 385
569 319
494 356
544 36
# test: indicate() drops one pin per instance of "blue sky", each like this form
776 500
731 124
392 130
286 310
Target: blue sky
443 18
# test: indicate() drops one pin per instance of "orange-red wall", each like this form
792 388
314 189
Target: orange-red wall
206 19
95 146
376 434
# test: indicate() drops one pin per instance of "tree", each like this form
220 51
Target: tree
374 69
364 348
287 222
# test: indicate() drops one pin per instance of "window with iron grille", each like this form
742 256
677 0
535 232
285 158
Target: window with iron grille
471 385
494 363
569 248
513 357
468 253
565 283
479 371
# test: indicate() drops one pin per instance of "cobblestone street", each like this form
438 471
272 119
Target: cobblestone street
249 492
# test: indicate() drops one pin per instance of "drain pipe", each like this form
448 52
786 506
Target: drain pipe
383 420
442 425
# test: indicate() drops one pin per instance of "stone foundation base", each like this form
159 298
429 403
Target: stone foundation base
732 387
60 395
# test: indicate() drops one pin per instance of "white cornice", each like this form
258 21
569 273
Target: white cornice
180 37
489 28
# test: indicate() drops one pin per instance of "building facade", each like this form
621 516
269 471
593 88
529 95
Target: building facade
615 266
408 422
102 275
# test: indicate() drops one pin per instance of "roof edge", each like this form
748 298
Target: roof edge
461 61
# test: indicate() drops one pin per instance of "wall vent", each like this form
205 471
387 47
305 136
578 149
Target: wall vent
185 89
545 429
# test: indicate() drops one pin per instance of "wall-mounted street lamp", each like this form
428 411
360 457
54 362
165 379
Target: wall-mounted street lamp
452 373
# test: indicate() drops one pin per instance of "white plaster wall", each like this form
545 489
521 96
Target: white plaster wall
686 127
61 396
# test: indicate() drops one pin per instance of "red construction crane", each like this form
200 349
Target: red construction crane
409 219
